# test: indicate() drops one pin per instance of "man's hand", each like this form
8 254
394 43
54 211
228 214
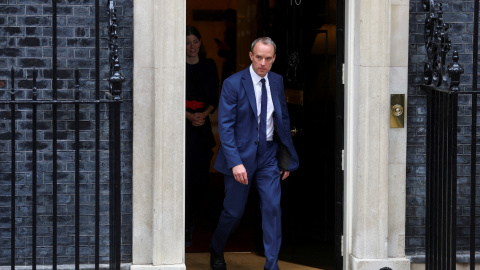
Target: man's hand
240 174
284 174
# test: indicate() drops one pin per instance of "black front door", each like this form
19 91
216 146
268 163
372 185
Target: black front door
308 34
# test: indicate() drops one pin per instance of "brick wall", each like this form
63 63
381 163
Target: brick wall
26 43
460 15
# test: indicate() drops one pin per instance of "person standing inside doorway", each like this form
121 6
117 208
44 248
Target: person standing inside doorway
201 87
256 149
228 48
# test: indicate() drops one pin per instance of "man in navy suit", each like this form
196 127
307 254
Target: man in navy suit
256 147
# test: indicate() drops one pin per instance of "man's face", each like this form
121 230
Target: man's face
262 58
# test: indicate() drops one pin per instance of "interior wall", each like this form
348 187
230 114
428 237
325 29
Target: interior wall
210 29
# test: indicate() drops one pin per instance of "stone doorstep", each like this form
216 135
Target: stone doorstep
459 266
369 264
124 266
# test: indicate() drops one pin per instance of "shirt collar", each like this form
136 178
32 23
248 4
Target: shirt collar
255 77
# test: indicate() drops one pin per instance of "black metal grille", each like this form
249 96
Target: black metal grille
442 126
441 179
77 142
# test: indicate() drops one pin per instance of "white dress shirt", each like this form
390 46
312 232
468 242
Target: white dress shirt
257 86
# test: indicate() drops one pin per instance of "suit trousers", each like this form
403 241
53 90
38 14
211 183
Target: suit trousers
266 178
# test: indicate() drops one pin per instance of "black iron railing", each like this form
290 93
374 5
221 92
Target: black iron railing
115 86
441 174
442 126
441 186
57 112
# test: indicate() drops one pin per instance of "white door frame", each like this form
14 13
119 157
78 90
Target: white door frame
376 60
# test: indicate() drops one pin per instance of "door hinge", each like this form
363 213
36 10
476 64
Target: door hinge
343 73
341 245
343 160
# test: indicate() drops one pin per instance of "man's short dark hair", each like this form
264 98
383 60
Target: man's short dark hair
266 41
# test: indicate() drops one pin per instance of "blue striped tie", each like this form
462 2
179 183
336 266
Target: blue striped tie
262 137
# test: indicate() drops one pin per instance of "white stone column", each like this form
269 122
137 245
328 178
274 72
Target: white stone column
158 136
374 176
398 136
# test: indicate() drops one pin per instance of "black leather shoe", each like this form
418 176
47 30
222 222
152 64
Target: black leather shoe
217 261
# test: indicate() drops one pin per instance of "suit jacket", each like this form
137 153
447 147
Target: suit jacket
237 124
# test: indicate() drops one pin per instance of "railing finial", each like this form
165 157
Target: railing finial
116 78
454 71
12 81
437 45
34 86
